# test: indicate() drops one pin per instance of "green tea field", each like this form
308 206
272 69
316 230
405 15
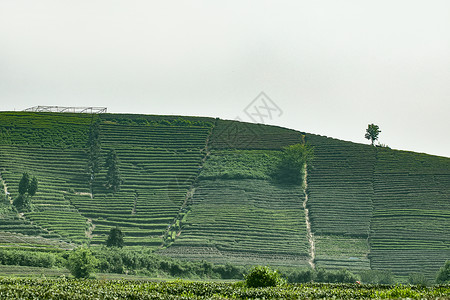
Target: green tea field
196 188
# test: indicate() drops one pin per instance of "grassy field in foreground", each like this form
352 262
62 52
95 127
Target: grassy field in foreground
120 289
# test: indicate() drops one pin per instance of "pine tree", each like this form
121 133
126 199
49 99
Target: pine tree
32 189
113 177
115 238
24 183
23 201
93 150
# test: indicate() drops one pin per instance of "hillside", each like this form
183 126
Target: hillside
201 188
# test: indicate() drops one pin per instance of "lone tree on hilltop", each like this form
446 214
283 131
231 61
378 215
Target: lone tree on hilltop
113 178
372 133
115 238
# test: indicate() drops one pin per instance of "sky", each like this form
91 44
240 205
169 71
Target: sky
321 66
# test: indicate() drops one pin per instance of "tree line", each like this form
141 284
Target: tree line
94 165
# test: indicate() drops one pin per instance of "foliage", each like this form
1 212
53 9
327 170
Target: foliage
377 277
57 130
27 190
115 238
81 263
372 133
32 189
301 276
30 258
240 164
42 288
292 166
418 279
321 275
93 149
22 203
340 276
119 260
113 177
260 276
24 183
443 276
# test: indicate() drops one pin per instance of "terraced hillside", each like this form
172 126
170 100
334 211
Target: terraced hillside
203 188
340 191
158 164
410 228
236 214
51 148
158 160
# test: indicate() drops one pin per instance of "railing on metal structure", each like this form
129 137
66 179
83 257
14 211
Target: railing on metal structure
68 109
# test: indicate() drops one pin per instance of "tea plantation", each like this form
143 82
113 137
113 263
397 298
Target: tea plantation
199 188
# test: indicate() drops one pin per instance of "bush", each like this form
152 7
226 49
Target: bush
443 276
119 260
229 271
301 276
22 203
262 277
342 276
28 258
115 238
294 160
377 277
81 263
418 279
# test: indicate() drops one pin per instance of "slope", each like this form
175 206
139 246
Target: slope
200 188
237 213
410 228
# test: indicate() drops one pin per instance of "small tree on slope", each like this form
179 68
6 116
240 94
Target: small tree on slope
372 133
81 263
24 183
23 201
115 238
113 178
294 159
443 276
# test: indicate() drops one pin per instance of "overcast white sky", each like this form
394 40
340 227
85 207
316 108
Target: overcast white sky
332 67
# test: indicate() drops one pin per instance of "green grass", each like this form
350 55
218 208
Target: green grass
240 164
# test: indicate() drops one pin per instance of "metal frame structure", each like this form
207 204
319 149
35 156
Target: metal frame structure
68 109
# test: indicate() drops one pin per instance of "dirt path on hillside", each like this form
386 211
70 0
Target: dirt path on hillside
90 229
312 246
5 188
84 194
184 208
